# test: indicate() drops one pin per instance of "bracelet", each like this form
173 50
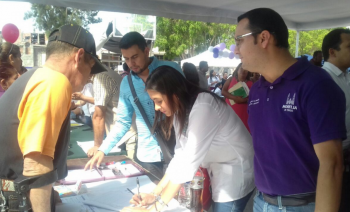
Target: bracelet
159 199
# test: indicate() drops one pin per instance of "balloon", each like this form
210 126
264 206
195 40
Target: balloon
222 46
231 55
215 55
221 53
216 51
232 47
225 54
210 49
10 33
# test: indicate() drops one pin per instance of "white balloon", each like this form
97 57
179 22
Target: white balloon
210 49
225 54
221 53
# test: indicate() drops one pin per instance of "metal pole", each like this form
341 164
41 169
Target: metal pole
297 45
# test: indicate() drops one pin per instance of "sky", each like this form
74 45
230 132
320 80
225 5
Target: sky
13 12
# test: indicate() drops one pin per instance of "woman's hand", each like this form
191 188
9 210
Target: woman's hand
134 209
146 199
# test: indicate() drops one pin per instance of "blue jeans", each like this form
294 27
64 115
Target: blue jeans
233 206
261 206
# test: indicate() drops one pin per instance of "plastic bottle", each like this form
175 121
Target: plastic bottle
196 192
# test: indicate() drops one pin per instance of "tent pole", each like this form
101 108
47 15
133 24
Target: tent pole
297 45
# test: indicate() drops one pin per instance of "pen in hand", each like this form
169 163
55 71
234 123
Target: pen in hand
138 188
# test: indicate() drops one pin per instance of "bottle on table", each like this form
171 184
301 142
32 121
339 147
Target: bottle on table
197 191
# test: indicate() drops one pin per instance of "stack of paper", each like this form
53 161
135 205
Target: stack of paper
239 89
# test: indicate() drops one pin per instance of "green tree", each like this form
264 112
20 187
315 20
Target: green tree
49 17
309 41
183 39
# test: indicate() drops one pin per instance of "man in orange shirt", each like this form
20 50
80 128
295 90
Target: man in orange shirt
34 114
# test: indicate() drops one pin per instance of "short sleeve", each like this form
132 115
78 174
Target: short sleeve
325 112
102 88
42 111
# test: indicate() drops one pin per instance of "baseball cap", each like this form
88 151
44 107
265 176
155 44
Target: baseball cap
79 37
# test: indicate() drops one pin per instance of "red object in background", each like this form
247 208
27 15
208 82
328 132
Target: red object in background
206 193
10 33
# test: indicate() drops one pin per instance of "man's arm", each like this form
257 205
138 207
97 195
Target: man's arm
80 96
329 180
37 164
98 121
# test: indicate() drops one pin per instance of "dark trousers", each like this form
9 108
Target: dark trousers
345 196
156 170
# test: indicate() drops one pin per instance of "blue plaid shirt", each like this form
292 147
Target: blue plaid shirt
148 149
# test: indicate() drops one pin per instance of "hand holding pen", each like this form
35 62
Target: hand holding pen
138 188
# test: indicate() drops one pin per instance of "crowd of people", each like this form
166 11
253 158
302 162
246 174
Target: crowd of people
288 139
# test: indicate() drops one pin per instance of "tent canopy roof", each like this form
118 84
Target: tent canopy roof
298 14
213 62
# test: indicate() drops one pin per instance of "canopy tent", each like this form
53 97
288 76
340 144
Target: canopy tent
298 14
213 62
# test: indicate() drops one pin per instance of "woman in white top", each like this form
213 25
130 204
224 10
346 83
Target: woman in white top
223 146
213 79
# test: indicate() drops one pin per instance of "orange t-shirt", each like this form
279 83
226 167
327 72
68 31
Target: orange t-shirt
42 110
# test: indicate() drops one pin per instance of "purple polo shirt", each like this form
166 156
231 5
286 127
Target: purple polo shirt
286 118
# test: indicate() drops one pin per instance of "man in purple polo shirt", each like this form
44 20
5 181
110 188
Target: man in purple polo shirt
296 117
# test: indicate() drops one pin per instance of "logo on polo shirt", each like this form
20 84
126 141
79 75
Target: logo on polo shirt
254 102
289 106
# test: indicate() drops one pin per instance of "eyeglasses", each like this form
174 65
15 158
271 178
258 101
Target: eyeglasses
238 39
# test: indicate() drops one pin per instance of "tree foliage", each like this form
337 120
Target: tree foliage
183 39
48 17
177 37
309 41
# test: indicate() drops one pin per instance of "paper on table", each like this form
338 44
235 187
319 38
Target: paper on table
86 145
73 207
74 204
128 170
85 176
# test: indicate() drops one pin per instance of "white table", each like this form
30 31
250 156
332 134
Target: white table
113 194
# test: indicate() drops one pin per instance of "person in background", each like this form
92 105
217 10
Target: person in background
224 78
149 155
36 109
296 118
255 77
22 71
202 74
126 70
8 75
241 104
10 53
86 102
336 51
217 89
191 73
213 79
224 147
317 59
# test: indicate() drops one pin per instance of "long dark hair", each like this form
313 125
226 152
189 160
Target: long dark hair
181 95
211 74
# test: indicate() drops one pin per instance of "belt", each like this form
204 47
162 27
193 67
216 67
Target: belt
295 200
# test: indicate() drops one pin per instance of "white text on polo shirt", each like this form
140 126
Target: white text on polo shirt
289 106
254 102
